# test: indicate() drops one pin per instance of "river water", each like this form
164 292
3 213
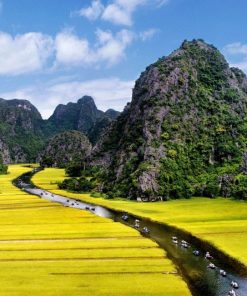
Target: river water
202 280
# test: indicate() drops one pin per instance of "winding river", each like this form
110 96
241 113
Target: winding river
202 280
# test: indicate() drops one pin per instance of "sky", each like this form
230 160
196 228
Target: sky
55 51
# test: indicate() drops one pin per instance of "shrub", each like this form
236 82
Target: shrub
240 187
77 185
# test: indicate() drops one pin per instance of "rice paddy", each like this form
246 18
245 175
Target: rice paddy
48 249
222 222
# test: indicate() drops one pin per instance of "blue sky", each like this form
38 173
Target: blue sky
55 51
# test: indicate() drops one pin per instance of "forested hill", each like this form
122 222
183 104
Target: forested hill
184 132
24 134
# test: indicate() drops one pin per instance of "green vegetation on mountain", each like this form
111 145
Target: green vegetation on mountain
20 131
24 134
65 148
183 134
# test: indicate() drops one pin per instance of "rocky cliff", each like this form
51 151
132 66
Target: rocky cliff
184 130
82 116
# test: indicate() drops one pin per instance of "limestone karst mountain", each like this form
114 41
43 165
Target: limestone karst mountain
23 132
184 131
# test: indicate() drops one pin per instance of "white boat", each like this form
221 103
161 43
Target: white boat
211 265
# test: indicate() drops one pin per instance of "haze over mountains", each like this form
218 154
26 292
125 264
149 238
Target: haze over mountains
23 132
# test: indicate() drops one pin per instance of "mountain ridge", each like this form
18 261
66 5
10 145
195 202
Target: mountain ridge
23 132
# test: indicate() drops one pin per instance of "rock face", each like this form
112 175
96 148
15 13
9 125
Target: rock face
4 152
186 123
20 131
67 147
82 116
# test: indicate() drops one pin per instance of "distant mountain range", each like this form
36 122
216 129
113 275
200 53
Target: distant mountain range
23 132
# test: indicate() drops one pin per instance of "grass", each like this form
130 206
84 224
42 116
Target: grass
48 249
221 222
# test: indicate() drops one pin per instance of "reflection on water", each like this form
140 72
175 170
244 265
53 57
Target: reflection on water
203 280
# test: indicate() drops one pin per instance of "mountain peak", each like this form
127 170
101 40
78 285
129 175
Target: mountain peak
86 100
200 43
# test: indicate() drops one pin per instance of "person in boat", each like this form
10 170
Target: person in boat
196 252
146 230
184 244
208 256
211 265
137 223
234 285
125 217
232 293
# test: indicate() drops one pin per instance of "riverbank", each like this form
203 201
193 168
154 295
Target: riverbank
49 249
220 222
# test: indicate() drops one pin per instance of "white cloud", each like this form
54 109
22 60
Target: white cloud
118 12
24 53
109 48
236 48
148 34
92 12
31 51
70 49
108 93
112 48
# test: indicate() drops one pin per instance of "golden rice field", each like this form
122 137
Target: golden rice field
47 249
222 222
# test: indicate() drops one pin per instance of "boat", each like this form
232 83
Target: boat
211 265
137 223
234 285
208 256
184 244
222 272
145 230
232 293
125 217
196 252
